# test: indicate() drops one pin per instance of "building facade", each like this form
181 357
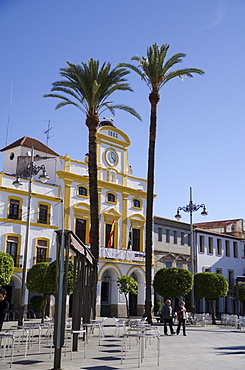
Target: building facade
219 249
122 204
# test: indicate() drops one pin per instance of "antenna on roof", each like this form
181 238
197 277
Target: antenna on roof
10 103
47 131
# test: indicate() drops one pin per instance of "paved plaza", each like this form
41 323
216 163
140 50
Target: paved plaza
210 348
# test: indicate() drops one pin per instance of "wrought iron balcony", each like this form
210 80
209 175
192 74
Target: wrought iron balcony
17 260
15 215
39 259
43 219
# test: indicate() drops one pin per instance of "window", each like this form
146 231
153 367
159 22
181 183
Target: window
82 191
179 265
231 278
210 245
136 203
227 248
235 250
159 233
42 251
201 242
182 238
80 229
175 237
12 249
168 264
111 198
14 209
108 231
43 215
219 271
189 239
219 247
207 269
167 236
136 240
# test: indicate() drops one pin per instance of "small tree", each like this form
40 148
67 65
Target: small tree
37 303
41 278
241 292
6 268
38 282
173 282
211 286
126 285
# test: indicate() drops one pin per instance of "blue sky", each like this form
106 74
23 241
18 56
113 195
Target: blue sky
201 121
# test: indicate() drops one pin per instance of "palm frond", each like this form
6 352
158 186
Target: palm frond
182 72
154 70
88 86
128 109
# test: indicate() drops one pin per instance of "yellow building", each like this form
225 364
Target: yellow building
122 205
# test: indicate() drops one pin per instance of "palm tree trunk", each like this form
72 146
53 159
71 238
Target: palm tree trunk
92 123
154 99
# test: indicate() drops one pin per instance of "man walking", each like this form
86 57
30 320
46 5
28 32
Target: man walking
167 315
4 306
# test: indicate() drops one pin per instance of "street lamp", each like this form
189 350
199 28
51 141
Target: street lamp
29 172
190 208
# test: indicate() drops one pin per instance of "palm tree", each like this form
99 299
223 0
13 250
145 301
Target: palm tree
156 72
88 87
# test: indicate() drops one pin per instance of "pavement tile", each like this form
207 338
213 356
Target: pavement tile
213 347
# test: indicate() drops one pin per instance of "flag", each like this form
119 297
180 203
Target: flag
130 241
110 241
89 237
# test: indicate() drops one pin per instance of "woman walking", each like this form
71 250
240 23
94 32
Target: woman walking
181 313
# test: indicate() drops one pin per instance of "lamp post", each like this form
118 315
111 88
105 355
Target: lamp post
190 208
29 172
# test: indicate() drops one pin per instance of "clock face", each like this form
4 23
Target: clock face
112 157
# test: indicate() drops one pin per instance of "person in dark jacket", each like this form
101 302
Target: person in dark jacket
181 313
4 306
167 316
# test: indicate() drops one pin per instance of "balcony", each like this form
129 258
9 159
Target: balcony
18 260
121 254
15 215
43 219
41 259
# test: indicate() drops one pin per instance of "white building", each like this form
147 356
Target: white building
171 243
223 252
122 202
218 247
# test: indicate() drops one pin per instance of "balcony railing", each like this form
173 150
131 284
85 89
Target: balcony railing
18 260
43 220
121 254
15 216
41 259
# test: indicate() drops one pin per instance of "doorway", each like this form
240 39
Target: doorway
133 299
106 295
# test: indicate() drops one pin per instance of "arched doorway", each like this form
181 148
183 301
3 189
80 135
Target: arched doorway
133 298
106 294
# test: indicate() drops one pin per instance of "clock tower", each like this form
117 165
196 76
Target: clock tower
112 152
